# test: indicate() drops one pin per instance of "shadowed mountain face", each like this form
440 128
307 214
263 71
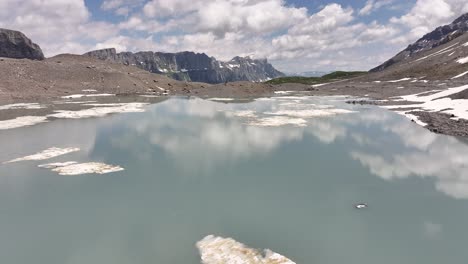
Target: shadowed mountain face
14 44
434 39
190 66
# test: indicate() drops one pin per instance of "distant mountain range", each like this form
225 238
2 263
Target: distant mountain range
430 41
190 66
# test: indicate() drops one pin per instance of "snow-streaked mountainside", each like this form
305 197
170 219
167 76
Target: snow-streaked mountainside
448 61
196 67
430 41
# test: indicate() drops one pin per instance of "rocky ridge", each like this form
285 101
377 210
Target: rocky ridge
190 66
14 44
434 39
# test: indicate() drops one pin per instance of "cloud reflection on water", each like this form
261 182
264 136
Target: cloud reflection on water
203 135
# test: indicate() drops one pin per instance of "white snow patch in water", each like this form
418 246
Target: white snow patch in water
74 96
101 111
309 113
74 102
218 250
21 106
283 92
278 121
243 113
46 154
22 121
220 99
460 75
72 168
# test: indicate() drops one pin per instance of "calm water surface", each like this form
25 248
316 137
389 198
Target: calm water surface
194 168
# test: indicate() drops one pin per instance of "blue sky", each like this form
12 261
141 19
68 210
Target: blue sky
295 35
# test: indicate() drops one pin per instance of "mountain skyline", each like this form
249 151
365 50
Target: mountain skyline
295 35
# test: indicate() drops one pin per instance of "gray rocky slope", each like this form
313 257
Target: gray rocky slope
14 44
432 40
190 66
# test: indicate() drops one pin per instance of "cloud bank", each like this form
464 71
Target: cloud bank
294 38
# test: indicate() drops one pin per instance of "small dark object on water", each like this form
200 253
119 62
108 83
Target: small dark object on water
361 206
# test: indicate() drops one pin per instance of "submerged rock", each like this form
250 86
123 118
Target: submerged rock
14 44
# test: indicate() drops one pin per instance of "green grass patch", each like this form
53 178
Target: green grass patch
331 77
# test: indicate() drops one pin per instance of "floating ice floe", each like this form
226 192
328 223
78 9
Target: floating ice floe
21 106
101 111
243 113
283 92
220 99
22 121
74 102
72 168
46 154
278 121
218 250
308 113
74 96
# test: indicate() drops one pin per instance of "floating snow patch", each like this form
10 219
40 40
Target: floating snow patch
101 111
463 60
46 154
21 106
73 168
74 102
57 164
283 92
220 99
218 250
460 75
244 113
400 80
278 121
22 121
74 96
308 113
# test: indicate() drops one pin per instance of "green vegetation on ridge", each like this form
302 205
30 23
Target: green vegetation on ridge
334 76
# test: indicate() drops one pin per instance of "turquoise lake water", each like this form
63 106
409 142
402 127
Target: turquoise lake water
195 167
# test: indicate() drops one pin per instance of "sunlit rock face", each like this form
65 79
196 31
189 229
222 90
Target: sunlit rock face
218 250
190 66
